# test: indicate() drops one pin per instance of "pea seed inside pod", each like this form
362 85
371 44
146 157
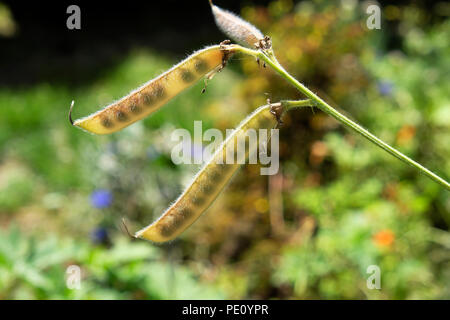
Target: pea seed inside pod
207 184
154 94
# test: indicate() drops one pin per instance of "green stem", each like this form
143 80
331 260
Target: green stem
317 101
289 104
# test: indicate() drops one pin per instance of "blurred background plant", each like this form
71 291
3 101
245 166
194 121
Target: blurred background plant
337 206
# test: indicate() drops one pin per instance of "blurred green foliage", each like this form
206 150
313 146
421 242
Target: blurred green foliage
33 269
338 205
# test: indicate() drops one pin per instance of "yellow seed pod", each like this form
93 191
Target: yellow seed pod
209 181
154 94
236 28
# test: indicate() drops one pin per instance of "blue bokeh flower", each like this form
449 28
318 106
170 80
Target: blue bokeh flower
385 87
99 235
101 198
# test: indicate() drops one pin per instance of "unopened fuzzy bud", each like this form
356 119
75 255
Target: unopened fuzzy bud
236 28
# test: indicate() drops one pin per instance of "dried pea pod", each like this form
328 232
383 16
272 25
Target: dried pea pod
155 93
210 180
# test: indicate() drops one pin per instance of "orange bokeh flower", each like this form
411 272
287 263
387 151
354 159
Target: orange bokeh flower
384 238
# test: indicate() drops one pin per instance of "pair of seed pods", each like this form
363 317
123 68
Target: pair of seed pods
215 174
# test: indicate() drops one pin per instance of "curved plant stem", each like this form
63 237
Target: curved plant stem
269 59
